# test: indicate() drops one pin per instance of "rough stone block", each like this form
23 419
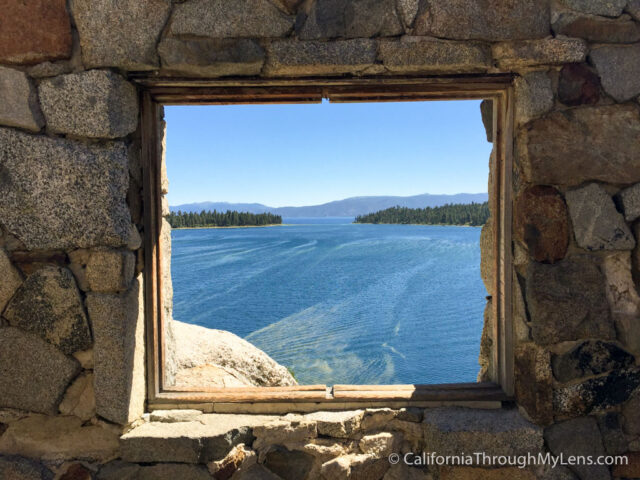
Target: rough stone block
428 55
283 431
78 198
578 437
11 280
534 96
450 431
633 8
110 271
548 51
541 222
534 383
118 329
613 439
351 19
569 147
379 445
48 304
596 395
485 19
288 464
79 399
619 69
34 31
597 225
578 85
291 57
95 103
18 468
123 34
18 101
224 19
337 424
211 57
630 199
592 357
597 29
59 438
33 373
607 8
631 419
567 301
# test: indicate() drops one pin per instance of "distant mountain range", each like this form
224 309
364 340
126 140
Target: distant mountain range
349 207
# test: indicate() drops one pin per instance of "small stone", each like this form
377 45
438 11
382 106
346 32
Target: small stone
619 69
48 304
567 301
578 85
534 383
408 10
288 465
79 399
109 271
77 471
378 445
630 199
135 240
351 19
631 419
410 414
337 424
549 51
633 8
211 57
78 198
597 394
34 31
485 358
224 19
485 20
473 473
59 438
597 225
568 147
18 101
120 33
579 437
282 431
541 222
597 29
118 329
239 457
534 96
256 472
426 55
631 469
292 57
376 418
95 104
592 357
338 468
18 468
607 8
173 416
11 280
613 439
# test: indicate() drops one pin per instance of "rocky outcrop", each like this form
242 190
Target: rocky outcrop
209 357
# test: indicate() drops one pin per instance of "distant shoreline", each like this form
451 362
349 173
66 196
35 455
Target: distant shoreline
232 226
418 224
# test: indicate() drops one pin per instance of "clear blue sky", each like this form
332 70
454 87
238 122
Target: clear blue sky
309 154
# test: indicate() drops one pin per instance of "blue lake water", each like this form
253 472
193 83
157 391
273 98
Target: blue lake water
338 302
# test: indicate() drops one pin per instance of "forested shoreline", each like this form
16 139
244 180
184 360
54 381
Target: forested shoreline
472 214
230 218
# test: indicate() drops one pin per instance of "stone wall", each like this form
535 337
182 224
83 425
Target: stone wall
71 259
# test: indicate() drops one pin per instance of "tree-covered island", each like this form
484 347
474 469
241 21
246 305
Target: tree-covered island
472 214
230 218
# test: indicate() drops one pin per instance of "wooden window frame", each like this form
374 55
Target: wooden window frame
156 92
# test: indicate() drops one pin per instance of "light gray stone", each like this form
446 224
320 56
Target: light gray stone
174 416
211 57
118 329
120 33
485 19
337 424
18 101
224 19
583 144
351 19
548 51
578 437
79 399
18 468
534 96
597 225
291 57
630 199
495 432
104 271
567 301
60 438
33 373
597 29
11 280
619 69
77 199
408 10
429 55
95 103
48 304
289 430
607 8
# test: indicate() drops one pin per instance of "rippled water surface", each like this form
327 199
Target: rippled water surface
338 302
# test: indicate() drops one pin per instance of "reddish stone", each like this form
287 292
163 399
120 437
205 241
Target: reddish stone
632 470
578 85
541 222
34 31
76 472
